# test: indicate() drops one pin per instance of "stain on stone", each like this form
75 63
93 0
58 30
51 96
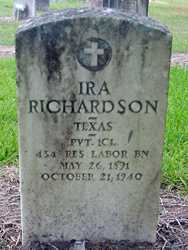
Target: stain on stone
72 97
68 135
52 61
143 54
25 40
55 118
119 59
25 43
124 28
53 48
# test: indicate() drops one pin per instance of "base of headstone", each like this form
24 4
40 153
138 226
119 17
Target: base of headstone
71 245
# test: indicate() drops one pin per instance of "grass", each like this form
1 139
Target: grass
173 13
8 119
175 163
6 7
7 28
175 160
7 32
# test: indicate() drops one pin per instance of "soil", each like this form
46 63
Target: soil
172 232
7 18
10 230
180 59
7 51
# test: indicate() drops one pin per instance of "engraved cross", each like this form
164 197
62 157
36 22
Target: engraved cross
94 51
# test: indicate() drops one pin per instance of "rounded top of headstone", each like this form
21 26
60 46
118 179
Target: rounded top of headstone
58 16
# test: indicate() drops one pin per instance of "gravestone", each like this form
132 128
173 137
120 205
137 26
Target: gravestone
20 11
42 5
135 6
24 9
92 88
31 6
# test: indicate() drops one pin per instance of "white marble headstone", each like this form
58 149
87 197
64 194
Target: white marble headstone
92 89
42 5
131 6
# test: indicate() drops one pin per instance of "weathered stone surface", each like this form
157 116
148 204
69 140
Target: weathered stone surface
96 3
133 6
42 4
92 88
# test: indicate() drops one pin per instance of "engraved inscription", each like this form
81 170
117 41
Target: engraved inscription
96 106
108 160
94 54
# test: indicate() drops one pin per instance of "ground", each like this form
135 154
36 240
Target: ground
172 232
7 51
